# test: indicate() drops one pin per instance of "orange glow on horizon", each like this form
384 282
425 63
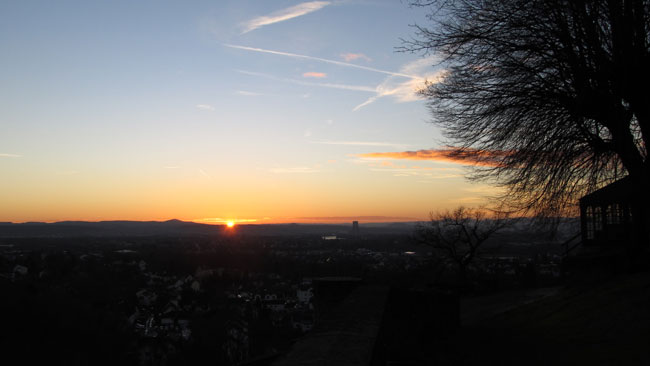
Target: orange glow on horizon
308 220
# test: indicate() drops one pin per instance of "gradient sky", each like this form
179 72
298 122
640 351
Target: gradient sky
210 110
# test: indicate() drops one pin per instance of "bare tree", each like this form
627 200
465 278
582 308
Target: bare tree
458 235
551 97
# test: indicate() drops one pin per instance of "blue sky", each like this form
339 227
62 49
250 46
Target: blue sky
246 110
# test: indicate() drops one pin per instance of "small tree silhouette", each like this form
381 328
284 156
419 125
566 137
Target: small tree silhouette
457 235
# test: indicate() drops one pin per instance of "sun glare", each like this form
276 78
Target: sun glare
230 223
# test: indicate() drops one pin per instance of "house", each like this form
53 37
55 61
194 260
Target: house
21 270
615 215
302 320
237 343
274 305
196 286
270 297
304 294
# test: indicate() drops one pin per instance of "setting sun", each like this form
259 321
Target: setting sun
230 223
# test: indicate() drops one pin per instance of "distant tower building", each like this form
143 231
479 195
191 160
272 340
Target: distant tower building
355 227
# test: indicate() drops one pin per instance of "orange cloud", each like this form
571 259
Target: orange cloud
354 56
453 155
313 74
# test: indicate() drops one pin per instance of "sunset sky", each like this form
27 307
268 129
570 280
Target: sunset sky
254 111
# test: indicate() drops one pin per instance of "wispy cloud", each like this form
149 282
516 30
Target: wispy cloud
294 170
247 93
358 143
482 189
477 194
367 102
417 73
407 90
313 74
355 56
451 155
470 200
5 155
205 107
408 172
423 173
389 165
203 173
362 88
334 62
284 14
401 170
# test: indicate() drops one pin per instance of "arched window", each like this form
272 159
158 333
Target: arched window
618 213
609 219
630 213
590 222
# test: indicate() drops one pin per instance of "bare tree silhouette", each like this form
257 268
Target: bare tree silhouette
458 235
555 91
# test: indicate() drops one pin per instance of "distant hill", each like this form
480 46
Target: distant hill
104 228
181 228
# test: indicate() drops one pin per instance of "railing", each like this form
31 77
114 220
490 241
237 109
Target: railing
568 249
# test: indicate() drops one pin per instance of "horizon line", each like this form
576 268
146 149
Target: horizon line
306 220
334 220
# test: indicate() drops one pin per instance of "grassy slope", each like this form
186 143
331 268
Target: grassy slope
587 323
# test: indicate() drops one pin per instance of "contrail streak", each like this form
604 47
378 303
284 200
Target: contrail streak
334 62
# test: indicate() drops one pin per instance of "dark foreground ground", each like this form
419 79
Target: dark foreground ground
595 319
603 321
241 299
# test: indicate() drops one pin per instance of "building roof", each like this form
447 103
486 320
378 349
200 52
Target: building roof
622 190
